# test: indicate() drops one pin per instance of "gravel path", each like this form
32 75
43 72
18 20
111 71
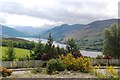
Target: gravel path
64 74
26 73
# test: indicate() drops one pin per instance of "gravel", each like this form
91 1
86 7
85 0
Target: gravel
64 74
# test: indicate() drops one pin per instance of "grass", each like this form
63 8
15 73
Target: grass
20 53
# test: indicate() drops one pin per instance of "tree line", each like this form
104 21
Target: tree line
39 51
19 44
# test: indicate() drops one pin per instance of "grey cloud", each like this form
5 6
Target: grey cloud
59 13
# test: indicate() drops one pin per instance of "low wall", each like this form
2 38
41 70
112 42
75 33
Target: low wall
36 63
22 64
113 62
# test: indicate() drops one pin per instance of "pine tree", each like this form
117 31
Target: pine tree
72 46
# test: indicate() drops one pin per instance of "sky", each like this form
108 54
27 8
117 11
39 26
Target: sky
41 13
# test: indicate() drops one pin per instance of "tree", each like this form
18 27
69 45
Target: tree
50 50
10 52
112 41
38 50
50 40
72 46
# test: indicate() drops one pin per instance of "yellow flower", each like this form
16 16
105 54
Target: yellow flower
111 70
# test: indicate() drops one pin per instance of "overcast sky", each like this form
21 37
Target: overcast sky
39 13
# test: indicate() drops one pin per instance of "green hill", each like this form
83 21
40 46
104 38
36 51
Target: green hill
10 32
91 31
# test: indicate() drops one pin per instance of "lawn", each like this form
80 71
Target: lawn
20 53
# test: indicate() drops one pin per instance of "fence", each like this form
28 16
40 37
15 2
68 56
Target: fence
35 63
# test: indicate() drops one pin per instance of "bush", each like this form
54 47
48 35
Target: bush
5 72
55 65
111 72
77 64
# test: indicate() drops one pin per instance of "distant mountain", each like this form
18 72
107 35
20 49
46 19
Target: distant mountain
32 31
10 32
62 30
91 31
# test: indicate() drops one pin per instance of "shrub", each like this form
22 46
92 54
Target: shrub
81 63
5 72
55 65
111 72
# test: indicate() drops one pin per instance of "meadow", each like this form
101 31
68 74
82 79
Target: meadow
19 53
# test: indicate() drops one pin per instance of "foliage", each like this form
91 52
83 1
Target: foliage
111 41
96 73
19 44
111 72
10 52
47 51
50 40
5 72
94 45
81 63
72 46
50 50
38 50
55 65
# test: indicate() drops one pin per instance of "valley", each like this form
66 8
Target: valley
87 36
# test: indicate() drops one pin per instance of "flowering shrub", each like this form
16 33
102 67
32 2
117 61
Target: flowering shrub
96 72
5 72
111 71
55 65
81 63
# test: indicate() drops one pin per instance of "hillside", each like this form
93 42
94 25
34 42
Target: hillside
91 31
61 31
15 39
10 32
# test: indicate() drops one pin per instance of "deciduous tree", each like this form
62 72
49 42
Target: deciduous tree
112 41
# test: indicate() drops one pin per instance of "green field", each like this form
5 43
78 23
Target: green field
20 53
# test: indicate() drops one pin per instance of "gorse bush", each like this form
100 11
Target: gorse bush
55 65
5 72
77 64
111 72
